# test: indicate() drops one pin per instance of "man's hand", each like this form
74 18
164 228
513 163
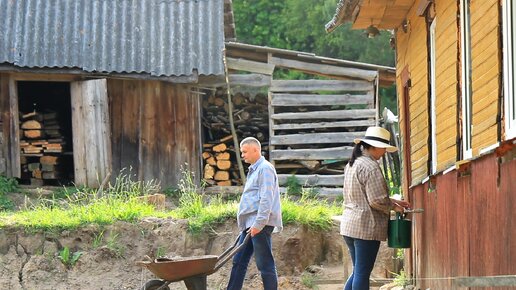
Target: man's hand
254 231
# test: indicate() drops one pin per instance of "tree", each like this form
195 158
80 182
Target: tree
299 25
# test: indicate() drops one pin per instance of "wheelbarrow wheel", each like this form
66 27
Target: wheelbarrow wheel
154 285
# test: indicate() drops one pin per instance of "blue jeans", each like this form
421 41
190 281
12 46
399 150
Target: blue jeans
261 245
363 255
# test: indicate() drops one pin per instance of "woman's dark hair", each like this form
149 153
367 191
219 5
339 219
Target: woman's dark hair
357 151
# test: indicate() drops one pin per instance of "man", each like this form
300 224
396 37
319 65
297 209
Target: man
259 213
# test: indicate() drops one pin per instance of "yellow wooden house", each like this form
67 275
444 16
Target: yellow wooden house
455 66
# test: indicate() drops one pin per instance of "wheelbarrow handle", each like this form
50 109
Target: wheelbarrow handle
229 253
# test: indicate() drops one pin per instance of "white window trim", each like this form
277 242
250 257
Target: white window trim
466 80
433 93
509 24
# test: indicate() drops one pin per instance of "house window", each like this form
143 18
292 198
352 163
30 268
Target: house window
465 30
509 65
433 107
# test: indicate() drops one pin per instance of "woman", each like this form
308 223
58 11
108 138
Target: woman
367 205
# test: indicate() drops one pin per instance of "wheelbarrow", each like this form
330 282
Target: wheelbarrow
193 271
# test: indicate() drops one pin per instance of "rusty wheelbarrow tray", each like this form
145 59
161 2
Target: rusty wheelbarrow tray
192 270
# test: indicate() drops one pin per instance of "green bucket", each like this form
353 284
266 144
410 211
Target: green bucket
399 232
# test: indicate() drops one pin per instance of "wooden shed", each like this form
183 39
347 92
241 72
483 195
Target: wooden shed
311 123
455 84
89 88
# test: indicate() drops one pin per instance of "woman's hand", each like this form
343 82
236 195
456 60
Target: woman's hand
400 205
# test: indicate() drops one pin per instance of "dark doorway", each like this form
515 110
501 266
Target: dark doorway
45 133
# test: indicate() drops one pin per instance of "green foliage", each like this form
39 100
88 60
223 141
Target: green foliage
97 240
8 185
172 192
68 258
401 279
299 25
314 213
160 252
308 280
293 186
114 245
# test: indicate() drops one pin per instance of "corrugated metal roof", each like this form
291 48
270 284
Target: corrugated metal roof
158 37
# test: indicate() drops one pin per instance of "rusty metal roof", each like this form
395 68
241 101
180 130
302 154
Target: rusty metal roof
151 37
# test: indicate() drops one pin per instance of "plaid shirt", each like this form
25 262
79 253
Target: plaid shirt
260 202
366 201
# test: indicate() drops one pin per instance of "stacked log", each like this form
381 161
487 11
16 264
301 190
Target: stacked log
42 147
218 165
251 119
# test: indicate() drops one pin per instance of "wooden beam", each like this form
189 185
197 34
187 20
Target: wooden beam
323 192
320 85
314 179
250 66
485 281
334 114
315 138
341 124
319 100
249 80
343 153
324 69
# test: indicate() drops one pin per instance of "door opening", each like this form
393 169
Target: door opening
46 154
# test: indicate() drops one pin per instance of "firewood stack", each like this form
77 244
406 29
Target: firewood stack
42 146
251 119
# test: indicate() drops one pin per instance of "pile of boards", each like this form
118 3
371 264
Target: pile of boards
42 146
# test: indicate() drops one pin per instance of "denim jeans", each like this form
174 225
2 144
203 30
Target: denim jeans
363 255
261 245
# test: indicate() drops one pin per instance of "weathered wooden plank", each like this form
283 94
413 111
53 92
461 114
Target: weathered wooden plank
315 138
14 124
250 66
90 122
323 192
320 85
339 124
314 179
343 153
335 114
250 80
324 69
285 100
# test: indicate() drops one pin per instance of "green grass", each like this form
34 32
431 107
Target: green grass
120 202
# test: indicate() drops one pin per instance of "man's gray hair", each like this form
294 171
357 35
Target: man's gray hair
251 141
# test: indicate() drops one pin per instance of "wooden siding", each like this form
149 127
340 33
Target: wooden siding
468 226
446 82
486 68
155 129
411 52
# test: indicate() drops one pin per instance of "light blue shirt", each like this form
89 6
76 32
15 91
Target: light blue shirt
260 203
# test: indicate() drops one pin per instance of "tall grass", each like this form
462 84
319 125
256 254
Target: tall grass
120 202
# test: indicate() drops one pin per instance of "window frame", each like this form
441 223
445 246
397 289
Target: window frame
509 66
466 89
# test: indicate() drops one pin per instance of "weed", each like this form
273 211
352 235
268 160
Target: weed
293 186
68 258
401 279
160 252
8 185
172 192
308 280
97 240
114 245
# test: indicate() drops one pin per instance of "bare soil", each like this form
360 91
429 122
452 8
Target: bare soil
30 260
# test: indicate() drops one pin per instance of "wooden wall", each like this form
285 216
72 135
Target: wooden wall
155 129
447 79
411 53
486 72
469 224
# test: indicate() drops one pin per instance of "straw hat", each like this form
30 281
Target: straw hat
377 137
